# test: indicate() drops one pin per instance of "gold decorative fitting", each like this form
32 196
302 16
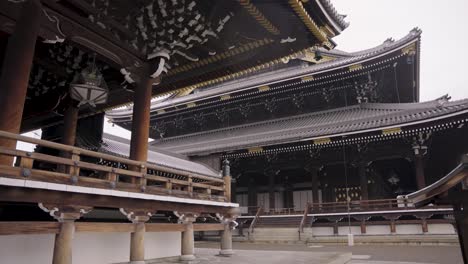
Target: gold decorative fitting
255 149
321 141
264 88
257 15
191 105
225 97
390 131
309 22
355 67
307 78
410 49
229 53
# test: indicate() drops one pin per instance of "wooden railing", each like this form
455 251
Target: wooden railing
75 166
358 205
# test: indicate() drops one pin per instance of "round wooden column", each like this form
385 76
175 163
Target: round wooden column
70 123
226 241
419 171
188 244
363 180
15 72
141 118
137 244
63 243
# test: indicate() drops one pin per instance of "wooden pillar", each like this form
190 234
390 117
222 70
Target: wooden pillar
314 175
363 180
63 243
424 226
141 117
70 123
363 227
271 188
188 244
66 215
252 193
137 244
233 190
226 240
16 69
392 226
137 237
419 171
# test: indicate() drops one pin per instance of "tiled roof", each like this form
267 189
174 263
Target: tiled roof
121 147
345 59
346 120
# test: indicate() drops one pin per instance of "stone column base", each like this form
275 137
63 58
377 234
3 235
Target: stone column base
187 257
137 262
226 252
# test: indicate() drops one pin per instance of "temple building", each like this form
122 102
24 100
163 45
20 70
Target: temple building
65 63
288 131
319 132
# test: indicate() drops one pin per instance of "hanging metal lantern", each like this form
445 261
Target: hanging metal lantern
89 87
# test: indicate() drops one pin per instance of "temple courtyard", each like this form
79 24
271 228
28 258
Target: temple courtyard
259 253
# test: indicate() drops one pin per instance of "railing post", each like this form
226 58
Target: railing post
112 178
26 163
74 170
142 180
168 186
190 186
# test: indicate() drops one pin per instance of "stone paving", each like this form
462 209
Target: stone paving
209 256
300 253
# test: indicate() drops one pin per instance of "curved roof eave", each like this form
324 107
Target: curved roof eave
282 75
334 18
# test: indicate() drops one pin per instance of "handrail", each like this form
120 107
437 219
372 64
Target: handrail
69 167
94 154
254 221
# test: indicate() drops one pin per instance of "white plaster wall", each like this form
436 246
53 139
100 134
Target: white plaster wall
100 248
413 229
441 229
377 230
162 244
344 230
26 249
322 231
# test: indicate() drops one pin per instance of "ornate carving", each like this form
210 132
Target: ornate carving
221 114
137 215
366 92
186 217
270 105
199 119
419 143
63 213
244 109
298 100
